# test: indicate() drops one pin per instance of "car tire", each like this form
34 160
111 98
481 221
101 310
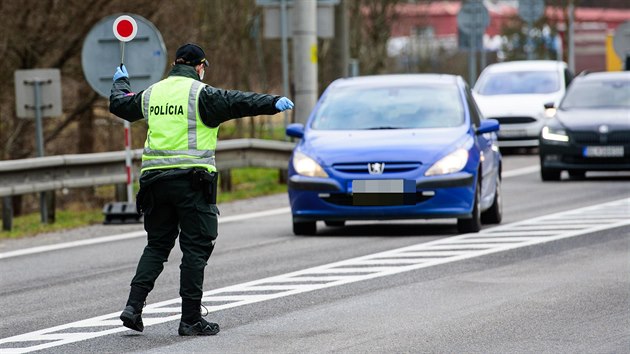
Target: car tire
494 214
304 228
550 174
473 224
335 223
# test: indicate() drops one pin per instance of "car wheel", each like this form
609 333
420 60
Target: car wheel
549 174
304 228
473 224
494 214
332 223
577 174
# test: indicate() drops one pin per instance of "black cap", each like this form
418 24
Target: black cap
190 54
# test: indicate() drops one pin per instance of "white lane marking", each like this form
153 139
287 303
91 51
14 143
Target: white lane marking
113 238
130 235
72 244
520 171
258 214
330 275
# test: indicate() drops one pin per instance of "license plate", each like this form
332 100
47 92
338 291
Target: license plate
378 186
603 151
383 192
512 133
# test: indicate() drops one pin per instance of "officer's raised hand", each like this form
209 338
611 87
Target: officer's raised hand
283 104
121 71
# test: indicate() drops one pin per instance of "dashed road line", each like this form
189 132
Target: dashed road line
423 255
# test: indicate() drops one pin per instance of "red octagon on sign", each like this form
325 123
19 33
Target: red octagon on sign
125 28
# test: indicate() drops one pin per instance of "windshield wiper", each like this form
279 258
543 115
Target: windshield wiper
385 127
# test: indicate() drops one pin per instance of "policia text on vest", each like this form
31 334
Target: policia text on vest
178 175
166 110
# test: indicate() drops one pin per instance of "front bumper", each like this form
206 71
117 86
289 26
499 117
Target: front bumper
571 157
448 196
519 135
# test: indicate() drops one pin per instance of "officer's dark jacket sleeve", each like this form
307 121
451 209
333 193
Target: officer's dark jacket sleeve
124 103
217 105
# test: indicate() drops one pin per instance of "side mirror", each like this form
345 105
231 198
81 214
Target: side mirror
295 130
488 126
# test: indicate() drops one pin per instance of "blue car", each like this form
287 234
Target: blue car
395 147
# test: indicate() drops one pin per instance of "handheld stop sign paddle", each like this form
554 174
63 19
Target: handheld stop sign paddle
125 29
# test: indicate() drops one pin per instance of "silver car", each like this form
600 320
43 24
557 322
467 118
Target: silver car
514 93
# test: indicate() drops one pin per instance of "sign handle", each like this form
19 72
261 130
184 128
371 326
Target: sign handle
122 53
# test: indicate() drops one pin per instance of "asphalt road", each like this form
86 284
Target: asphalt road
566 295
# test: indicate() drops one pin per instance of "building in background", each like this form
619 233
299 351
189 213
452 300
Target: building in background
423 31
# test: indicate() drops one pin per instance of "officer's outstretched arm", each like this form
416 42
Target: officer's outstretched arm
217 106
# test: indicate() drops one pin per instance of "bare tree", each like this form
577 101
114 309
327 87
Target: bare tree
50 34
370 24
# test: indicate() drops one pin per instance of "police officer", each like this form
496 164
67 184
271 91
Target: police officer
178 175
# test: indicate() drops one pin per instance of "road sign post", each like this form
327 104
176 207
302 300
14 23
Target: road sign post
472 20
38 95
278 23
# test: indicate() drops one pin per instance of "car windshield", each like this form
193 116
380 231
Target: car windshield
597 94
391 107
519 82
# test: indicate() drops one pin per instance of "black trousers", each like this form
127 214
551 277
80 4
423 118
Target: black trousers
172 208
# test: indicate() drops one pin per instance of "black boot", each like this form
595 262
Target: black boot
200 328
192 324
132 314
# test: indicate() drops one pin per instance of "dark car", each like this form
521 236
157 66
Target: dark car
395 147
590 130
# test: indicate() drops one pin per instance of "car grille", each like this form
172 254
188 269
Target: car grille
612 138
346 199
514 120
362 167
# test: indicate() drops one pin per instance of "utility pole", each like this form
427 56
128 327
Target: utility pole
284 33
571 37
342 30
305 57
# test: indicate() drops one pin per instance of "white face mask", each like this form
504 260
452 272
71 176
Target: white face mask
203 72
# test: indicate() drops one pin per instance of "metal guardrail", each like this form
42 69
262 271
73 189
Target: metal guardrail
84 170
51 173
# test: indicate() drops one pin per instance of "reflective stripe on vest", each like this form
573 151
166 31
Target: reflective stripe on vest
165 119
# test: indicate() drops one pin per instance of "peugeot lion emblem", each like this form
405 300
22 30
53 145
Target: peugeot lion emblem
376 168
603 129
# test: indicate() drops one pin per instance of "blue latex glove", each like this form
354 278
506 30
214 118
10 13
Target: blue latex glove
283 104
121 71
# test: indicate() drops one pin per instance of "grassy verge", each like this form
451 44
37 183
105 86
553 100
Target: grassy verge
246 183
28 225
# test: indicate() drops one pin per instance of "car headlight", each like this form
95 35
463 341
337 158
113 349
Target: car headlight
306 166
555 134
451 163
550 112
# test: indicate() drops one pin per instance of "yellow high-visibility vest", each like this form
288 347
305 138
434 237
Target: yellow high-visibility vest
176 138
